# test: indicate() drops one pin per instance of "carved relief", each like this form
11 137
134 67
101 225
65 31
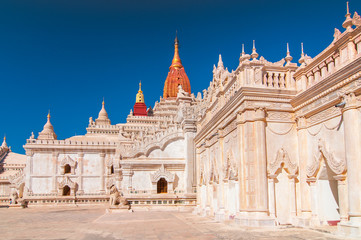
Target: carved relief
324 115
283 116
282 159
213 172
230 168
338 166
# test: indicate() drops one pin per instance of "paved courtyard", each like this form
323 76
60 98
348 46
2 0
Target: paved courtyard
94 223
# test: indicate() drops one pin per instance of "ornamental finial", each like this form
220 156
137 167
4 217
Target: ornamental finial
254 54
347 24
288 57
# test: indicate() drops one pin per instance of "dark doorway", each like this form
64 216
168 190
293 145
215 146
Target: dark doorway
67 169
66 191
162 186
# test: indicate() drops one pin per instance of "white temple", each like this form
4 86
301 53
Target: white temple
267 144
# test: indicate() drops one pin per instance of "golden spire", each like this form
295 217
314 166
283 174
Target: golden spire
48 115
176 62
140 96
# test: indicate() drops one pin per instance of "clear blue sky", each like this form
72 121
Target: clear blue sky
67 55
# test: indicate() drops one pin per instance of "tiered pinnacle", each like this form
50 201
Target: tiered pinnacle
48 130
140 109
140 96
176 76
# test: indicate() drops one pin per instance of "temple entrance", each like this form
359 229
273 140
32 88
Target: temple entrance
162 186
66 190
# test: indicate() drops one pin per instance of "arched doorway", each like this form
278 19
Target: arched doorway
162 186
66 190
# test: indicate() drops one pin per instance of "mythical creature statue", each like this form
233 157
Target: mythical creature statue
117 198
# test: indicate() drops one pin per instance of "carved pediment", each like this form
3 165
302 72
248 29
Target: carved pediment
66 181
337 166
282 160
68 160
162 173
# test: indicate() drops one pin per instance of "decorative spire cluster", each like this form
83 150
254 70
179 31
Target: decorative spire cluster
103 118
176 76
48 130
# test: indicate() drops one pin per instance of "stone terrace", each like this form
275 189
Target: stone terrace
92 222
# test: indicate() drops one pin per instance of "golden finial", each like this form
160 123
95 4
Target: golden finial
4 137
140 97
176 62
348 11
103 102
48 114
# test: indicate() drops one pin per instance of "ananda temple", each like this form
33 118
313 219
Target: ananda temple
266 144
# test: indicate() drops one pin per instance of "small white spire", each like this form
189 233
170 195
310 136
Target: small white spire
243 53
254 54
288 57
302 59
347 24
220 62
4 142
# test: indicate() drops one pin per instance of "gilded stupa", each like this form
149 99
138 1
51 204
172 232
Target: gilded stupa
140 109
176 76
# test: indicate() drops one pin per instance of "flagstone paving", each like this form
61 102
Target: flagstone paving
93 223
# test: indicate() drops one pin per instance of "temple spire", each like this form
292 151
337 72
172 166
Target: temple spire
176 76
48 130
103 118
140 109
140 96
